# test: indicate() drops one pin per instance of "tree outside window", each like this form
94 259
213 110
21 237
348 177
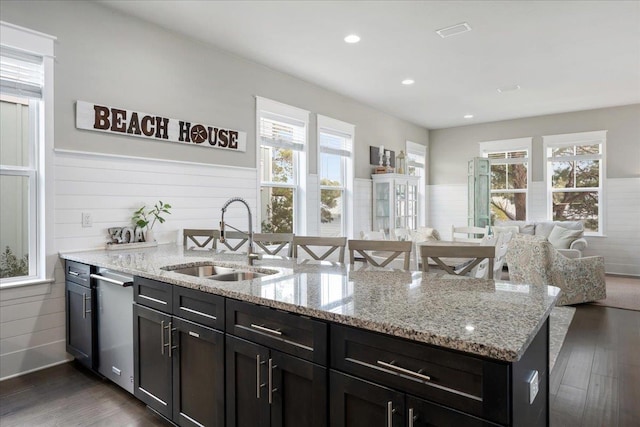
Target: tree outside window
509 183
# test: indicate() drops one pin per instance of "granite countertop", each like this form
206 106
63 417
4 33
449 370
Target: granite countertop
483 317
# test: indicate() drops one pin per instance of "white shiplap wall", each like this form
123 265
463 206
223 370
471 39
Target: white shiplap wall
110 188
362 205
447 206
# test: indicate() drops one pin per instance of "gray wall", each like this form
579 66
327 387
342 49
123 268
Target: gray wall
450 149
106 57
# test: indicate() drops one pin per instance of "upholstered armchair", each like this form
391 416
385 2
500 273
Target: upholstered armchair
534 260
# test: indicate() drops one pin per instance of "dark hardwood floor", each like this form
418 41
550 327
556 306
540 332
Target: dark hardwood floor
595 382
68 395
596 378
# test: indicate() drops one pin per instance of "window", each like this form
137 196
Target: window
510 177
282 145
335 173
416 166
26 76
574 178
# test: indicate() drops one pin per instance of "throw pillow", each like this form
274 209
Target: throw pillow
561 237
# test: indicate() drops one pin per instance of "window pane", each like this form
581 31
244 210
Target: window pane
587 173
276 165
563 151
331 170
14 226
276 206
14 133
508 206
577 206
588 149
331 213
517 176
498 177
562 174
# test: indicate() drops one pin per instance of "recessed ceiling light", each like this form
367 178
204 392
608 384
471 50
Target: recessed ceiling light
508 88
468 116
453 30
352 38
408 82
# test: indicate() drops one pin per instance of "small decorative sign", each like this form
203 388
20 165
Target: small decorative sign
103 118
127 238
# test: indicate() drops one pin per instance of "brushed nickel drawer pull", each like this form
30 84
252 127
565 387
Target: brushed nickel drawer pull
267 330
73 273
159 301
404 370
412 418
199 313
271 389
162 337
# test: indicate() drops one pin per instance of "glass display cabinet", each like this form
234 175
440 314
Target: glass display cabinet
395 201
479 192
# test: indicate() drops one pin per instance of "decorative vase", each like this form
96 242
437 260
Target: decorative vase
149 236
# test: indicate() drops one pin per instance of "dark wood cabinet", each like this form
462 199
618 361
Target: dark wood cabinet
151 362
198 374
80 311
178 363
359 403
269 388
80 324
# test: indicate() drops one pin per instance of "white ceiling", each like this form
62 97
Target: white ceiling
565 55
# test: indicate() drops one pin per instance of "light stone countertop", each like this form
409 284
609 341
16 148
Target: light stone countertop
482 317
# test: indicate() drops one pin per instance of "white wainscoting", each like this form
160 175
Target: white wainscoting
447 206
362 205
110 188
620 246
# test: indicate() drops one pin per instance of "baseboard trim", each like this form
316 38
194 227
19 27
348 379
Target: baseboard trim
51 365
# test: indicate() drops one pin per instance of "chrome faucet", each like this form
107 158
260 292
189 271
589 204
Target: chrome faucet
251 255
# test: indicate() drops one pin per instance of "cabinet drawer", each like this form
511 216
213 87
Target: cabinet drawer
200 307
77 273
287 332
473 385
152 293
427 414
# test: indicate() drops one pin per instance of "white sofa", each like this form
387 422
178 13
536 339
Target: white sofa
567 238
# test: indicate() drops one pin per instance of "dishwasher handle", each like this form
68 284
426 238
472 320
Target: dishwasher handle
113 281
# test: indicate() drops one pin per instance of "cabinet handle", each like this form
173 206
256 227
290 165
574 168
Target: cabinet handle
267 330
390 412
271 389
391 365
170 345
259 384
411 417
84 305
73 273
162 337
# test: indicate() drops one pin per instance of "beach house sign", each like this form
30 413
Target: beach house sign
103 118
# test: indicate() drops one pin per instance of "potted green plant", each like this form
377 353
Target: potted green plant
146 219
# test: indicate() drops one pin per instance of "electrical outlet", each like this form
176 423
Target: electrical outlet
533 386
87 220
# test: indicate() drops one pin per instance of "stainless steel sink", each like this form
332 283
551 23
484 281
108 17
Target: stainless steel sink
236 276
216 272
203 270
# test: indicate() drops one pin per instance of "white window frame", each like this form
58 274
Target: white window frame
580 138
300 162
41 241
419 150
514 144
329 124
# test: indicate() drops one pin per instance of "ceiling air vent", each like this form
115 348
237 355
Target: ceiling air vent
454 30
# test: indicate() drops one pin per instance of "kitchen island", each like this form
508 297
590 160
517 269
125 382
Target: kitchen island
376 346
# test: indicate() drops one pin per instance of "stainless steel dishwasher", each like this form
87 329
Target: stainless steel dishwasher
115 326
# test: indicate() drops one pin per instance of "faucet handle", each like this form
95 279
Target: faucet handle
221 231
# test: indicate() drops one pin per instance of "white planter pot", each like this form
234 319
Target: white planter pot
149 236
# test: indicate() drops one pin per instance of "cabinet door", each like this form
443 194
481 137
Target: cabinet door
421 413
198 375
298 391
80 325
246 380
151 362
359 403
